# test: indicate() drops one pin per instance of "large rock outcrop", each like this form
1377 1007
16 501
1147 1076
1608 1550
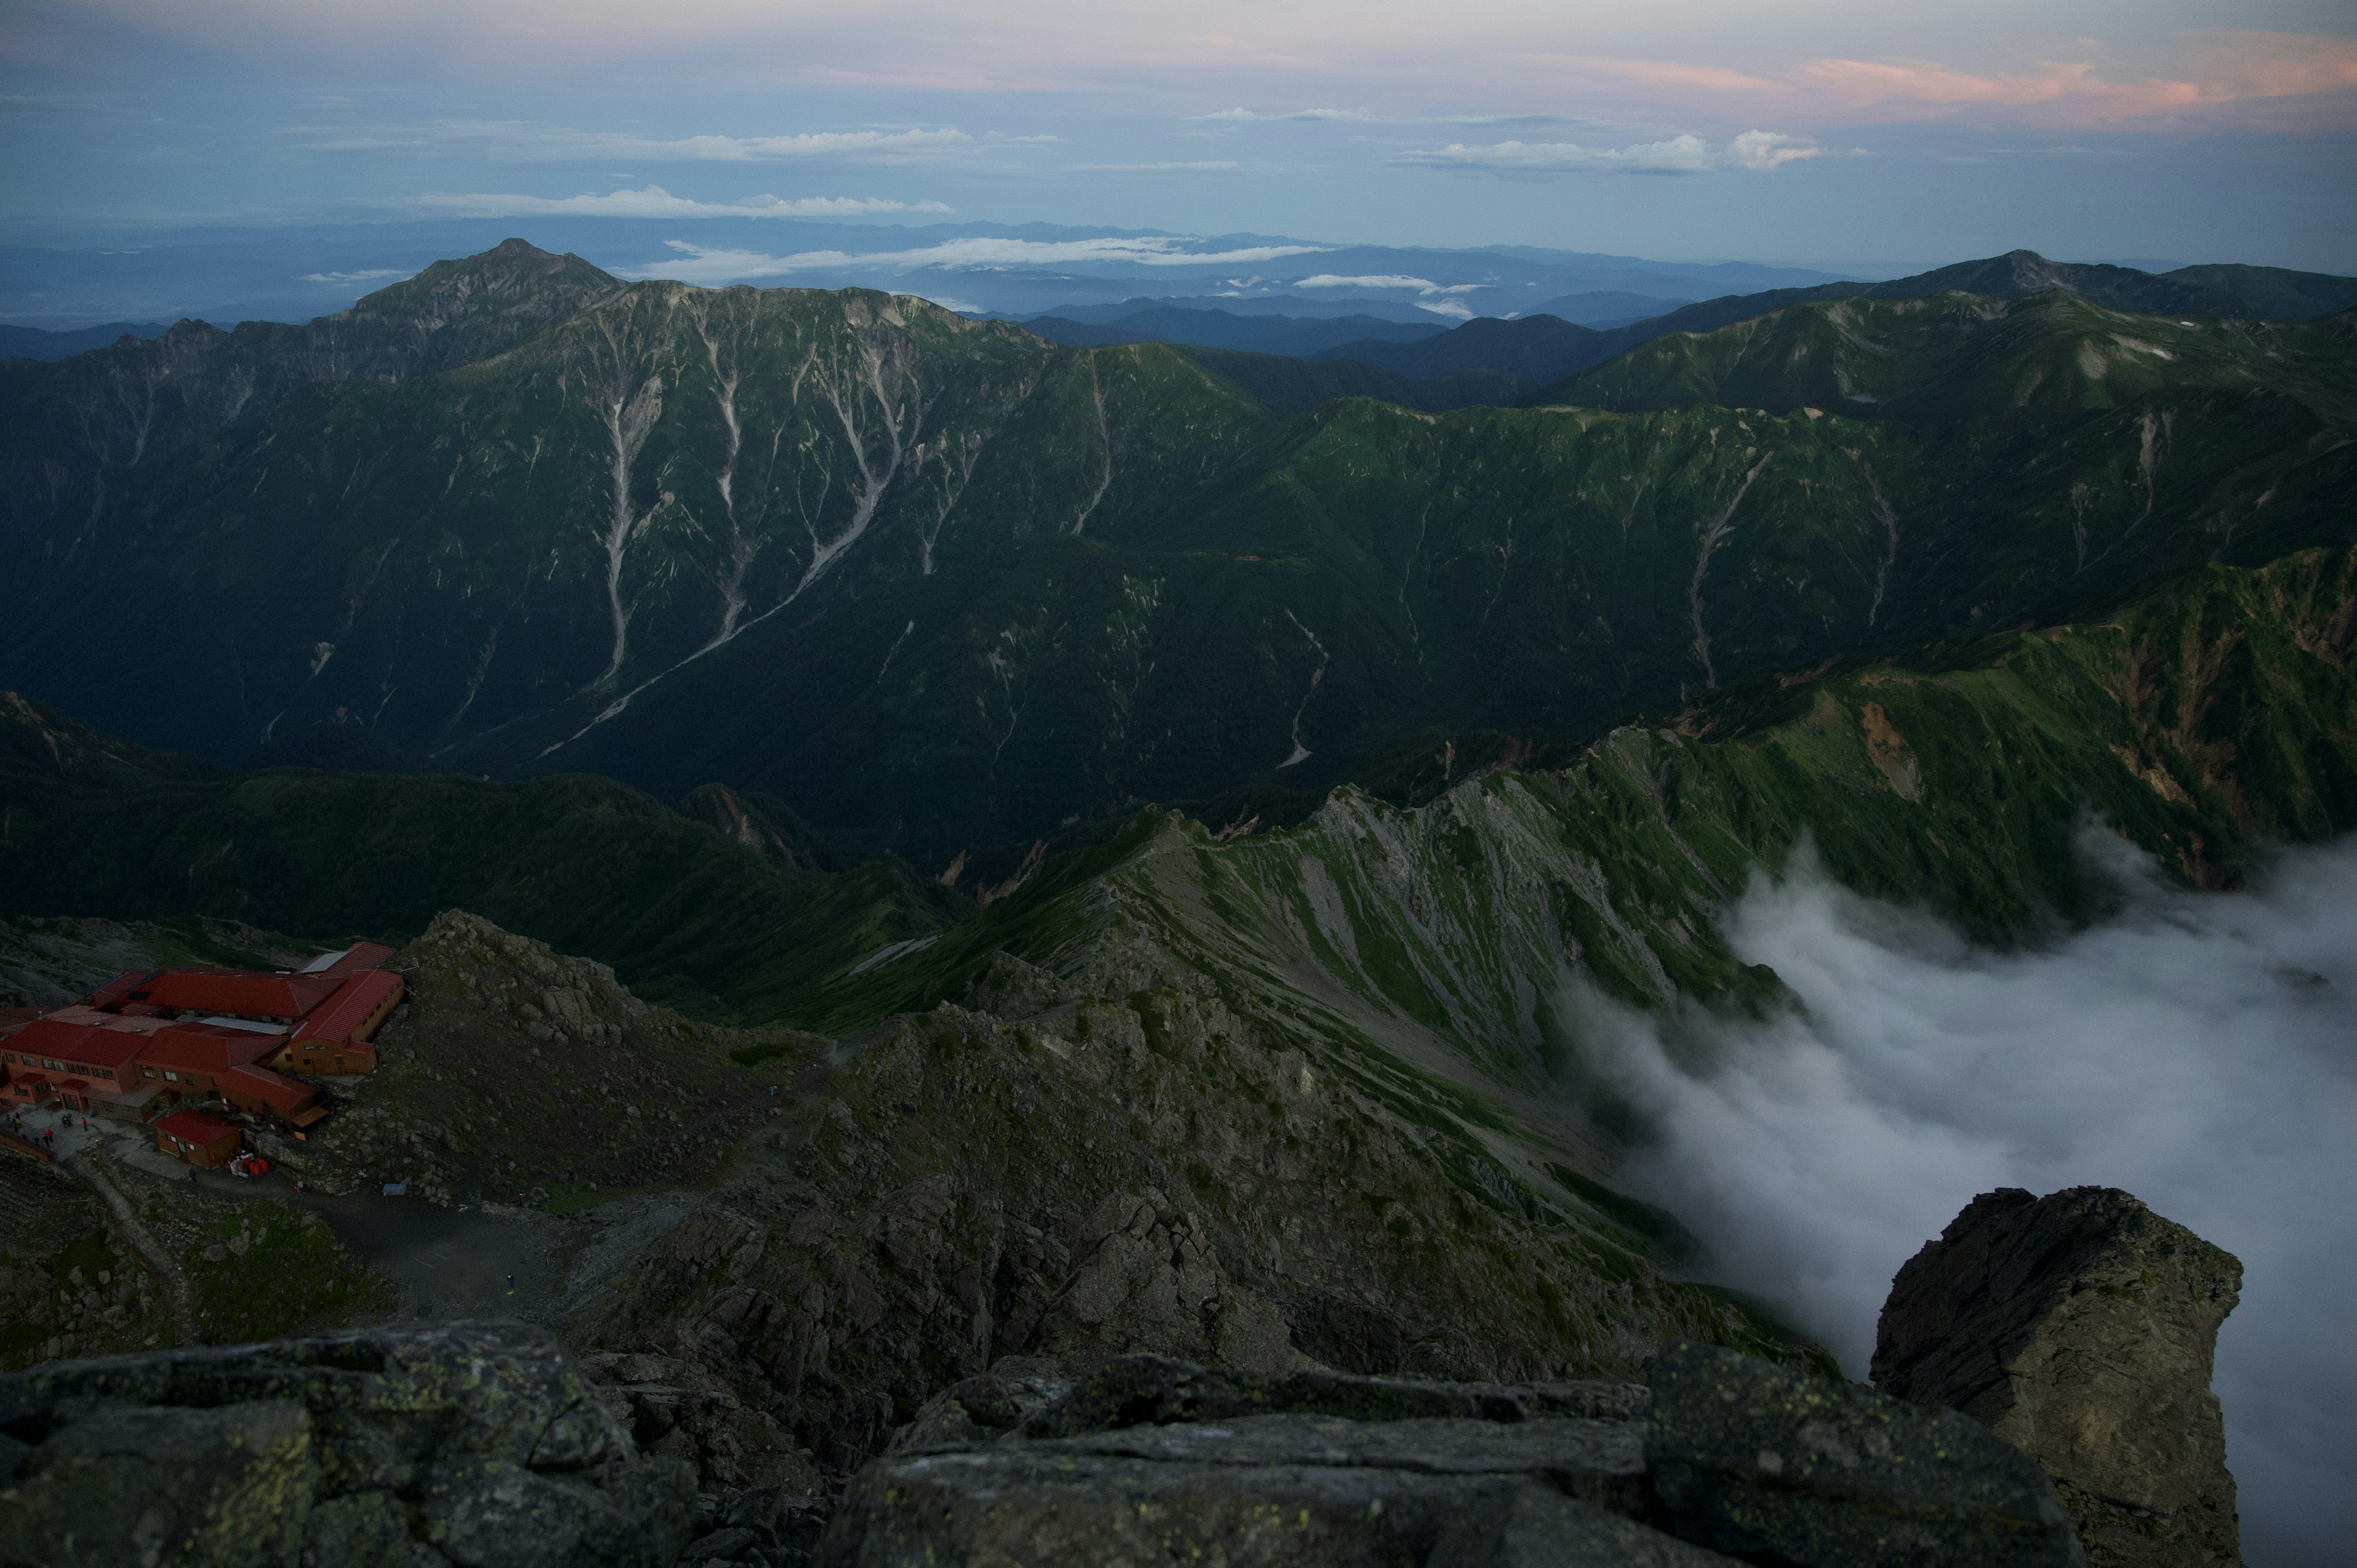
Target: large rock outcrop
1152 1461
2080 1327
1143 1172
678 1408
464 1446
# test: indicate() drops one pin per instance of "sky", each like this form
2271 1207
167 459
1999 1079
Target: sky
1829 133
2193 1049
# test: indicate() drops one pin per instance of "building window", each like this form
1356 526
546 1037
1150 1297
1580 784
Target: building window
173 1075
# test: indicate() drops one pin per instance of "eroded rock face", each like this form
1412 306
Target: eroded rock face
473 1445
1777 1466
1015 988
678 1408
1150 1460
1150 1274
2081 1327
967 1191
1153 1460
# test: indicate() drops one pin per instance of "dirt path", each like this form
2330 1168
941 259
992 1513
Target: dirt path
184 1312
446 1262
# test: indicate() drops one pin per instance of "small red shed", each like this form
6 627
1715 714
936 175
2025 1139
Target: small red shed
201 1140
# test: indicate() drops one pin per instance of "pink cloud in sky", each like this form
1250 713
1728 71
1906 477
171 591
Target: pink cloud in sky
1402 58
1868 83
2280 65
1675 74
2224 69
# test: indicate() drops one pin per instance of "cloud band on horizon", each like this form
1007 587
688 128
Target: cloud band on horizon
518 142
712 264
654 201
1753 151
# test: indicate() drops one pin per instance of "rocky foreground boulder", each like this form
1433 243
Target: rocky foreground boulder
478 1446
1152 1461
481 1445
2045 1372
2081 1327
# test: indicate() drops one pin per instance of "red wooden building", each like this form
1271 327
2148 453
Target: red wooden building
207 1141
158 1037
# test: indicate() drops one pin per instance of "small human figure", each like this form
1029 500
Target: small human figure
512 1284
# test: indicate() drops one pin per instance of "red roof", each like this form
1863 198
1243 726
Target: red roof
282 1095
74 1041
350 1006
137 1021
221 991
207 1048
195 1127
352 960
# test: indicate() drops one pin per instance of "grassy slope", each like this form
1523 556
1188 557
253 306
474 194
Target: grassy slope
2218 716
1418 955
2216 711
1410 956
683 909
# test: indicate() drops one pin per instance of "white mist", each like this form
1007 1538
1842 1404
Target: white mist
2199 1050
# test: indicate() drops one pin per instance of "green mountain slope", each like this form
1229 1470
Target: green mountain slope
1377 1011
1297 385
69 428
2204 723
943 586
1224 329
1535 350
1951 357
687 905
2260 294
1538 348
2274 294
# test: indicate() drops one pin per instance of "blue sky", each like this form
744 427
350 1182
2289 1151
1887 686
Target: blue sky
1852 136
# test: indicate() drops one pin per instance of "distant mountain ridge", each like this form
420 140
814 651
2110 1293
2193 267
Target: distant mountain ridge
296 274
1537 350
138 400
945 586
1296 335
38 343
1604 308
1295 385
1533 349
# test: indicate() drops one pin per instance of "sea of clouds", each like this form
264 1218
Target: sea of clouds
2199 1050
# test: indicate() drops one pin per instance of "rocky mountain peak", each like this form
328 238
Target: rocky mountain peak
474 308
2081 1327
2019 272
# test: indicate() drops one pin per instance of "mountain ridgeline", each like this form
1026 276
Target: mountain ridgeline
943 584
2213 718
1115 846
1504 361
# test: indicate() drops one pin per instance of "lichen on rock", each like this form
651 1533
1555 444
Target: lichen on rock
475 1444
